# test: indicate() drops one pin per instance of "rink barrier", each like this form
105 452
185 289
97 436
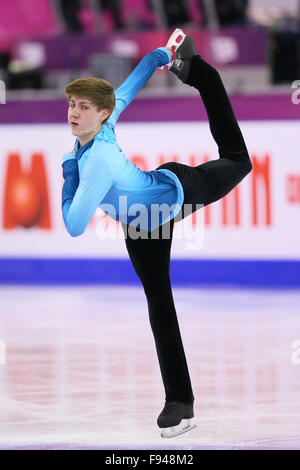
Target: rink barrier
184 272
158 109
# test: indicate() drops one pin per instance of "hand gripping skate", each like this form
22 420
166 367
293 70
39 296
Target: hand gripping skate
175 419
175 40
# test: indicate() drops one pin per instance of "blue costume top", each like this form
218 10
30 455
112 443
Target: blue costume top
98 174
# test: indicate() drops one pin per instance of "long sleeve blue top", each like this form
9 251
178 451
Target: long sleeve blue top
98 174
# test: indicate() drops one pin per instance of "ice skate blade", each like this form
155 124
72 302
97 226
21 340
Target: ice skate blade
184 426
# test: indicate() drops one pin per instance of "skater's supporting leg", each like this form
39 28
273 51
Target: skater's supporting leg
151 261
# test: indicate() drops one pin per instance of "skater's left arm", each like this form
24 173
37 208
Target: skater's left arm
81 198
138 77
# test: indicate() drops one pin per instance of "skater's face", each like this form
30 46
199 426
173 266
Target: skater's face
84 119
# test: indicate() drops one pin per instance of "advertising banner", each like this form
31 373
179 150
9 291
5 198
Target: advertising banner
260 218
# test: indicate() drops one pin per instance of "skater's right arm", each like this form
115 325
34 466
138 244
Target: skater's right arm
138 77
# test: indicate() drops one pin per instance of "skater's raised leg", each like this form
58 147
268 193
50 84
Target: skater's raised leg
210 181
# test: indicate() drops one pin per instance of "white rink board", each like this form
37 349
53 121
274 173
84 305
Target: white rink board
276 141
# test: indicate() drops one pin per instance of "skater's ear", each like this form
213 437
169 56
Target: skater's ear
104 114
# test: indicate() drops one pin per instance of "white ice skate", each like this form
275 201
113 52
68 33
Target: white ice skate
175 40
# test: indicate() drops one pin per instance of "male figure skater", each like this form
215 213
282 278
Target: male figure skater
98 172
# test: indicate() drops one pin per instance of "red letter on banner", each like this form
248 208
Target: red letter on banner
26 200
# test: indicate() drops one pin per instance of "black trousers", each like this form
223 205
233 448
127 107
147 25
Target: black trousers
202 184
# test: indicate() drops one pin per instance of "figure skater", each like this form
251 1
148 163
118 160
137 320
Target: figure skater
98 174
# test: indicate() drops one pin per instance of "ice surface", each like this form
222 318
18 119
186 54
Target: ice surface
81 368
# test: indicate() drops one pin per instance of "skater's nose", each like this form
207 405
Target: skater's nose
74 112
